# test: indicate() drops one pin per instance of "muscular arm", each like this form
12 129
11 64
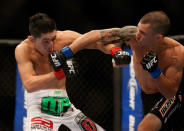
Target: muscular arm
106 36
30 80
94 36
72 36
168 83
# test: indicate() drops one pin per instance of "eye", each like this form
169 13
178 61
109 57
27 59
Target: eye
46 41
53 39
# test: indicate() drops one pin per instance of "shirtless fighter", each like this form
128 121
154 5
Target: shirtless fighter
158 63
43 76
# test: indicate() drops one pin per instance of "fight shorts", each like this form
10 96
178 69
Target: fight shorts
169 111
51 110
149 100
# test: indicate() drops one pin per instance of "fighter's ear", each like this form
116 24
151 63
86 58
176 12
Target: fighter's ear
31 38
159 37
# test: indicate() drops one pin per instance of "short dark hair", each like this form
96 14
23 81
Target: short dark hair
158 20
41 23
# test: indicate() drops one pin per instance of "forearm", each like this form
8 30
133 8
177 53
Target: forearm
166 87
106 36
35 83
105 48
85 40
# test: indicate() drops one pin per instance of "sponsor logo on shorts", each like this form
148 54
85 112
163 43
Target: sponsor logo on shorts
166 106
171 112
42 124
85 123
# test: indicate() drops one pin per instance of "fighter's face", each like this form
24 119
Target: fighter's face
145 36
45 43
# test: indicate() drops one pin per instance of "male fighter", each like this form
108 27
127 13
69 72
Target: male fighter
43 77
158 62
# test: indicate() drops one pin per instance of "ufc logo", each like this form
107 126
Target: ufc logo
71 67
56 62
150 64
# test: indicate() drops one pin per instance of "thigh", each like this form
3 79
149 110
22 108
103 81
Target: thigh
167 110
82 123
150 123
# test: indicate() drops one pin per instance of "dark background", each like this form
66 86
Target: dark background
84 15
92 92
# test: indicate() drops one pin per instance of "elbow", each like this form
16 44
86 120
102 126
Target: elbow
29 90
172 93
95 34
28 86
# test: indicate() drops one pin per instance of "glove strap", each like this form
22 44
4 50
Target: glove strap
67 52
156 73
59 74
114 50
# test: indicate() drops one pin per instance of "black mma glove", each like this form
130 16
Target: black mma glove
120 57
62 66
150 63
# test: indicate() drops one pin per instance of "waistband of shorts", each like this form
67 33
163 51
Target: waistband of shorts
151 95
48 92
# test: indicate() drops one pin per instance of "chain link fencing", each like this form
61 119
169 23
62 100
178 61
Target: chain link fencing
7 86
91 91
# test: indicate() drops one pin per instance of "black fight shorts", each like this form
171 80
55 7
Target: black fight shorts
169 112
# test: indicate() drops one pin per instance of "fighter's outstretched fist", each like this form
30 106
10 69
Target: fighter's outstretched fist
120 57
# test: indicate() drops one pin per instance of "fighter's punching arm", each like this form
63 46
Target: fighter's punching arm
71 36
30 80
168 81
106 36
99 39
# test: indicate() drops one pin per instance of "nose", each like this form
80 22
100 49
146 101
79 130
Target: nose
138 36
51 45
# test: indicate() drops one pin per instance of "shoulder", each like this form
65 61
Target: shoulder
64 38
178 50
174 45
22 50
181 54
67 34
23 46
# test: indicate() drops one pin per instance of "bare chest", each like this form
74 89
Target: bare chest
147 83
41 64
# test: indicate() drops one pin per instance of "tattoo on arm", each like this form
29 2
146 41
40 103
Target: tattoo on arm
110 35
115 35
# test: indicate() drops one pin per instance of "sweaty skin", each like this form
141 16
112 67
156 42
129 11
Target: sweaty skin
170 54
34 67
35 70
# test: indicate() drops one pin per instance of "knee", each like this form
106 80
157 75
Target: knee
141 127
147 126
